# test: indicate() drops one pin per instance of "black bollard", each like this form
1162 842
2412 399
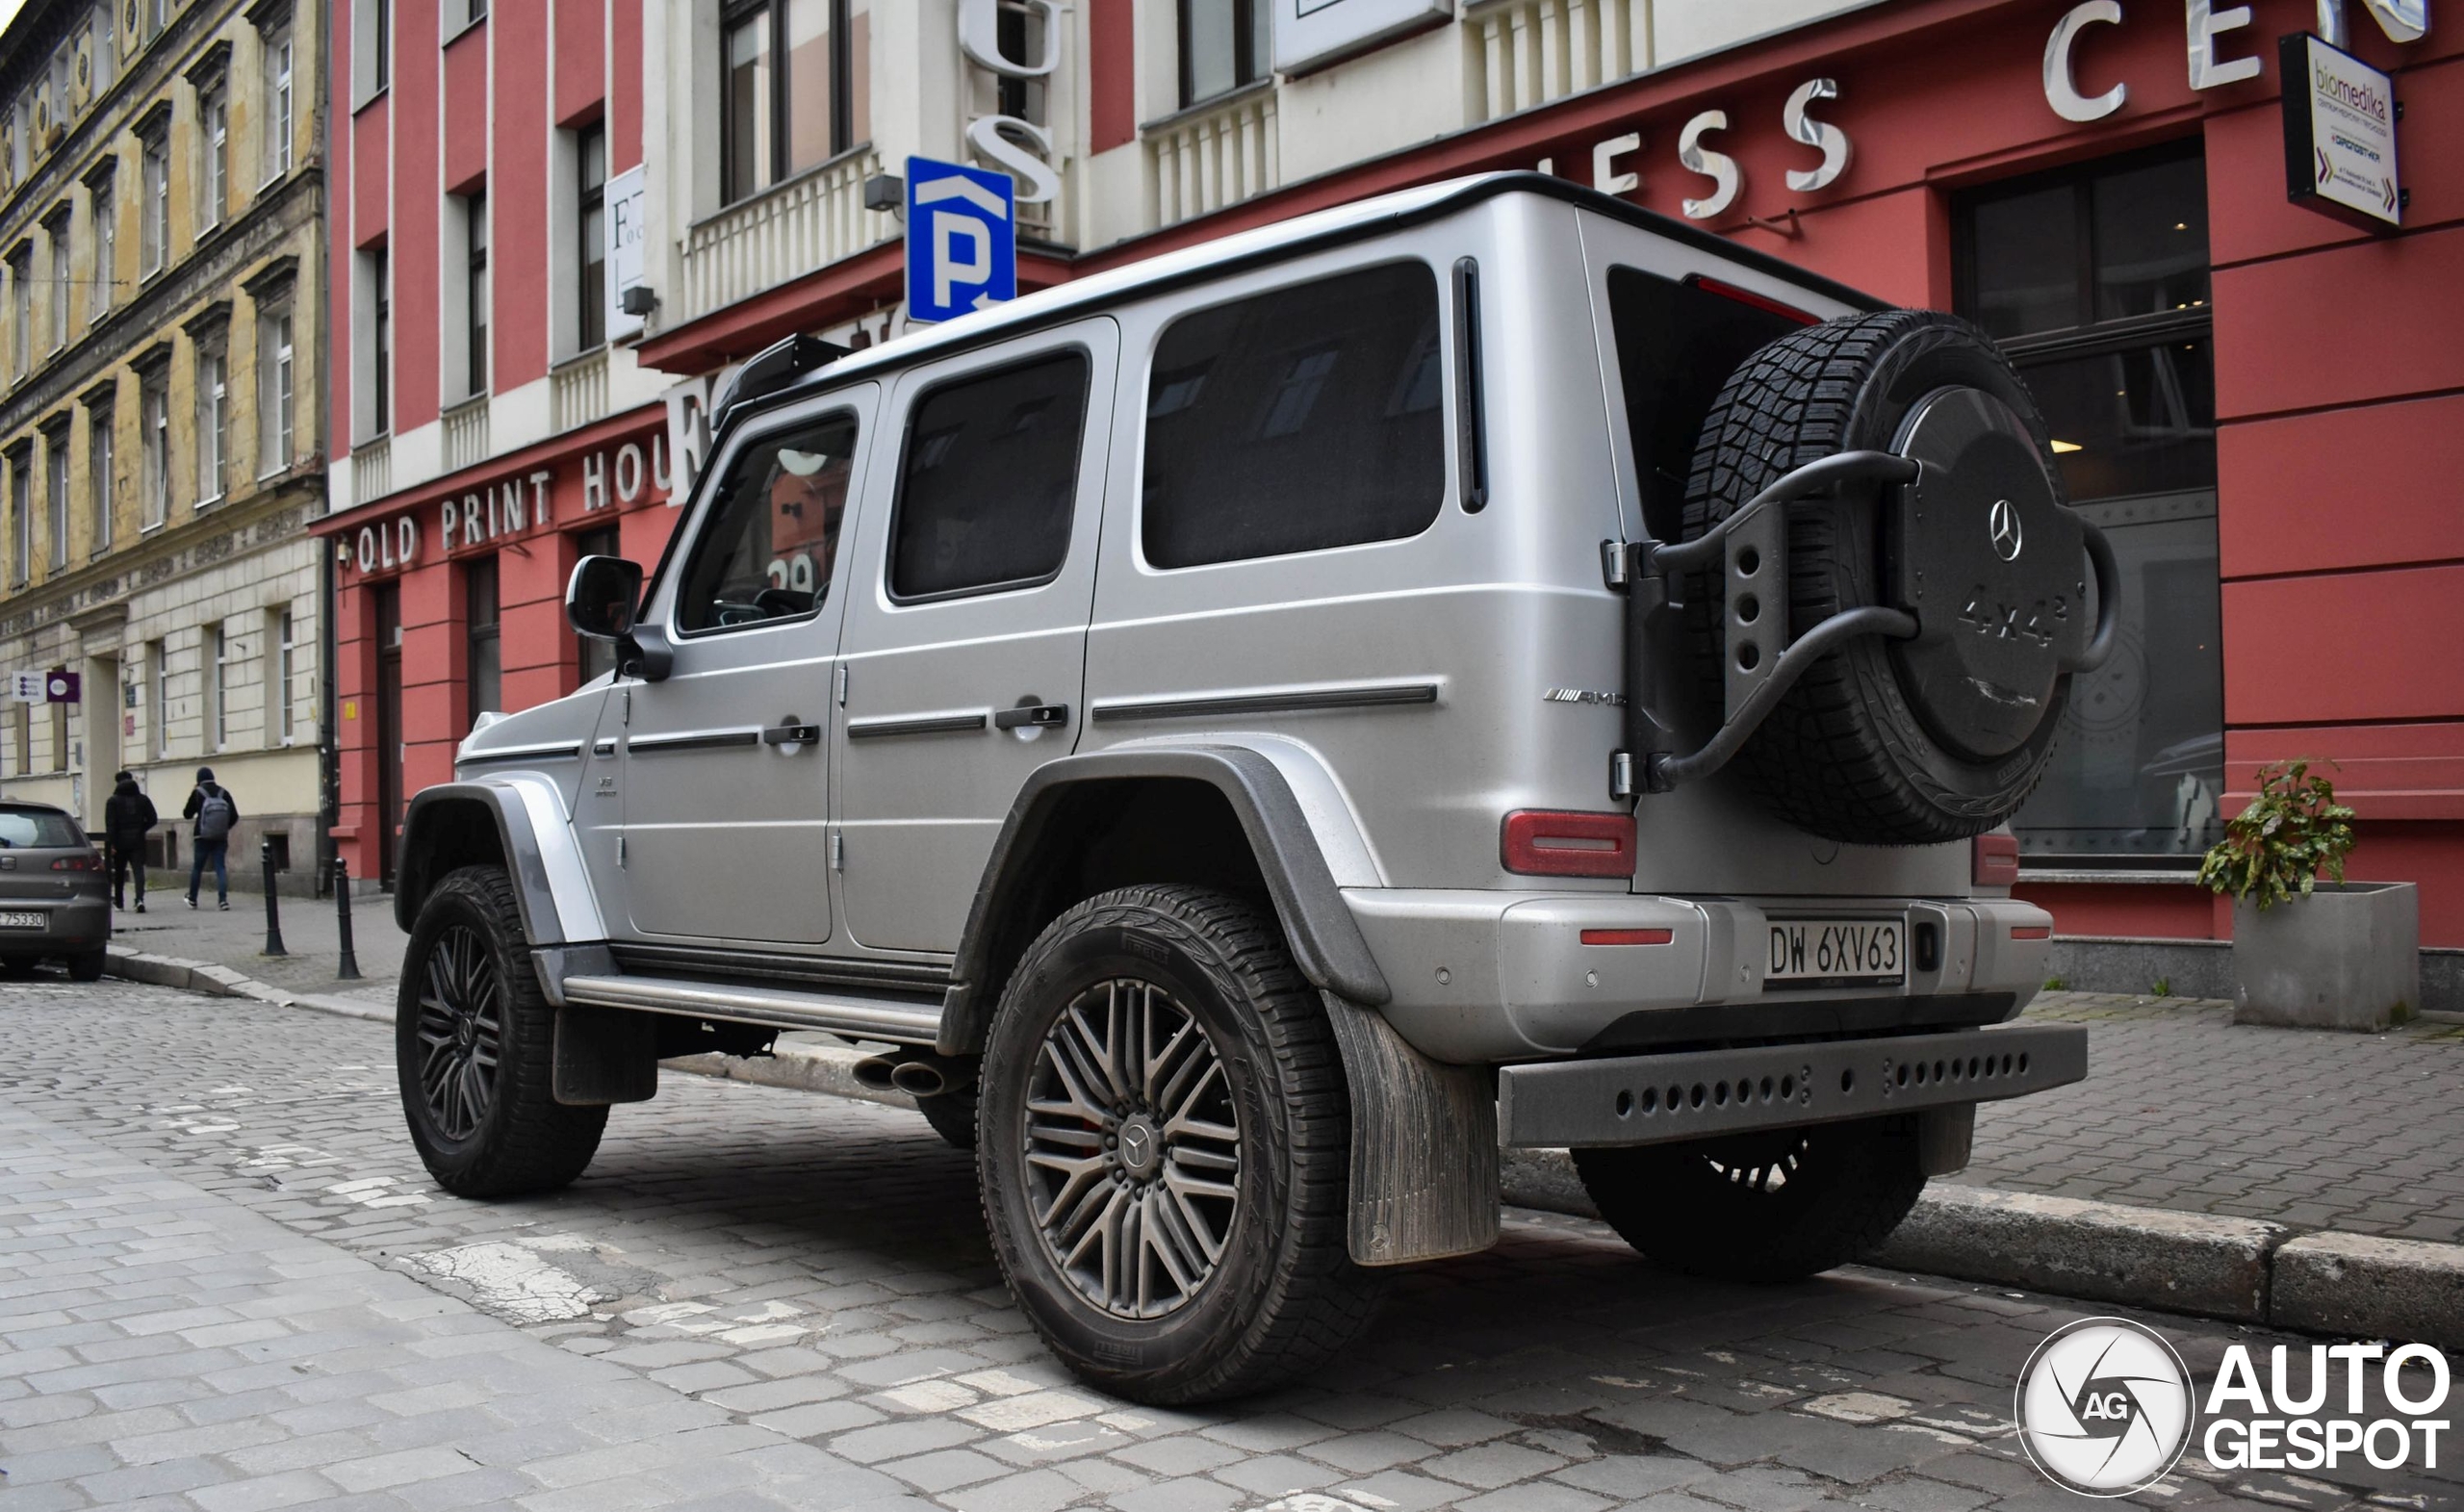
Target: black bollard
349 971
274 910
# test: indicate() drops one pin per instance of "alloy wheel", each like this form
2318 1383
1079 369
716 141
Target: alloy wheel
1133 1149
461 1032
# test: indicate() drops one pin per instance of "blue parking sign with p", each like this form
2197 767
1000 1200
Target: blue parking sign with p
962 240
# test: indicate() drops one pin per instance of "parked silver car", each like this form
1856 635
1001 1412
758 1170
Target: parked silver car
1250 732
55 900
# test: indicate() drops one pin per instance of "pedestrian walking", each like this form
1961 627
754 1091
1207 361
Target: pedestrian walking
215 812
128 816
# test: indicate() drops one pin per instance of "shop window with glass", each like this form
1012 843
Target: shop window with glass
1225 45
2095 281
796 88
482 625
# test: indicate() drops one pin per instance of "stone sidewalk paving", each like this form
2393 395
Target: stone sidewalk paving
2182 1109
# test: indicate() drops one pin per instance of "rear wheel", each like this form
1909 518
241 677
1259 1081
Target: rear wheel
1163 1148
475 1041
1775 1205
86 967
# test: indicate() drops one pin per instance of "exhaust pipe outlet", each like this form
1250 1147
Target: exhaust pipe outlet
918 1079
879 1072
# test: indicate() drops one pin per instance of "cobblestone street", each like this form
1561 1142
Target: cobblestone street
226 1283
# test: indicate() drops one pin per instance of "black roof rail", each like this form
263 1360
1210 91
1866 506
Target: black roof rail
774 369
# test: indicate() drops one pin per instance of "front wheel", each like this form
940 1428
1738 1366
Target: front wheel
475 1045
1775 1205
1163 1148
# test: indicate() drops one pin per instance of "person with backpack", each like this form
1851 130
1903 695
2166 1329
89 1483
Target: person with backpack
128 814
215 812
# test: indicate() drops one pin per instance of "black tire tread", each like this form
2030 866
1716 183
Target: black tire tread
1317 1300
532 1142
1821 762
88 967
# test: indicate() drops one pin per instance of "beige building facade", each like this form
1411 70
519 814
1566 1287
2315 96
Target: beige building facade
161 407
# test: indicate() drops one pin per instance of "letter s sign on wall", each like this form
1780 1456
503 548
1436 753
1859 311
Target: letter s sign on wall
962 240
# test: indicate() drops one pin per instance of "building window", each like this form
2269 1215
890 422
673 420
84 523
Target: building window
59 280
98 476
21 520
55 475
1225 45
590 236
380 33
154 427
2095 281
476 12
158 15
218 687
21 310
486 666
157 707
381 352
276 402
280 726
213 153
105 214
213 421
474 212
598 657
155 239
278 104
796 88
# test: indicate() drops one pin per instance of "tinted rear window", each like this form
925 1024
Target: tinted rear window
1297 421
990 479
1675 345
22 827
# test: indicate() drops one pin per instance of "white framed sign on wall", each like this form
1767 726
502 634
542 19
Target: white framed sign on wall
1310 34
2340 118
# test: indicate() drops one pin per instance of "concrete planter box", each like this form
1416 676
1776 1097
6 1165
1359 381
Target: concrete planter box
2346 956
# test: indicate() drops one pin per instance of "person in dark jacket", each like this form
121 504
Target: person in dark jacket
127 815
215 811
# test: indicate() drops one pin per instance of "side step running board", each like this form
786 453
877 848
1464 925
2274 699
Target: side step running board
859 1015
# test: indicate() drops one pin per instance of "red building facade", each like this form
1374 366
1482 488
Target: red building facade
2264 405
491 423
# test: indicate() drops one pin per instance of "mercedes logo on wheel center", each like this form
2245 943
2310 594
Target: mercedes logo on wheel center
2002 529
2105 1407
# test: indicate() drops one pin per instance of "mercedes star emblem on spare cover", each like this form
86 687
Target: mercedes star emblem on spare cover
2002 527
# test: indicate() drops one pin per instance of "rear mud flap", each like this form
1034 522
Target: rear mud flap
1423 1146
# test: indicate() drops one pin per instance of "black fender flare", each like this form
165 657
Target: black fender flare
1327 942
438 822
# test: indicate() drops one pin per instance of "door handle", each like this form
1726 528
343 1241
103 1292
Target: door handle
1031 716
791 733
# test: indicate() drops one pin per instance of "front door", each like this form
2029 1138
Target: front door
723 762
965 647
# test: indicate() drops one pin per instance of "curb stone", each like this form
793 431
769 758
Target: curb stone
2241 1269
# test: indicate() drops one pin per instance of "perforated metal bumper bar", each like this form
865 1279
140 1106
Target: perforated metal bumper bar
1653 1099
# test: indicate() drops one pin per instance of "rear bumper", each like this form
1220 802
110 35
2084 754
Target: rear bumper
76 925
1483 977
1654 1099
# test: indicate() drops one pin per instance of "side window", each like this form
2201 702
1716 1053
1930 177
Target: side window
989 478
1297 421
772 530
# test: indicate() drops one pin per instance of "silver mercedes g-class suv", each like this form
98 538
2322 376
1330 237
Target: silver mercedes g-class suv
1248 735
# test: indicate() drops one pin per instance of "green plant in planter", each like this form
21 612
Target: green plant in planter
2292 833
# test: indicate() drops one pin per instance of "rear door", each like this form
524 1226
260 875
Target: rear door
966 637
723 765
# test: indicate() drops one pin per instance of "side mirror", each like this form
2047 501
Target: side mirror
601 597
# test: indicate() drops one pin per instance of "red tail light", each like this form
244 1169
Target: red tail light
1628 936
1536 842
78 863
1995 860
1747 296
2032 932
